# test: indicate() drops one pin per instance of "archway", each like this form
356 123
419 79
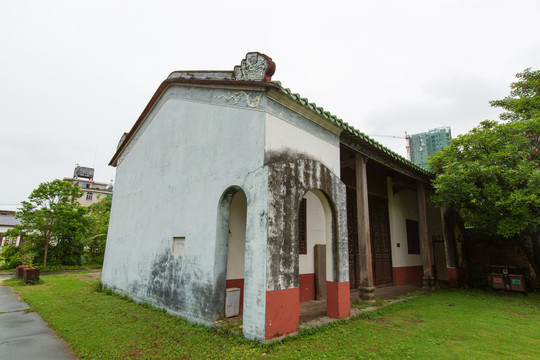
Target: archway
236 248
230 251
312 243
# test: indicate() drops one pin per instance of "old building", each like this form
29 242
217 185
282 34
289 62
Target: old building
8 222
93 191
228 179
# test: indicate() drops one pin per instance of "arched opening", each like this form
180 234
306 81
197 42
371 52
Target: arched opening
236 248
230 252
315 254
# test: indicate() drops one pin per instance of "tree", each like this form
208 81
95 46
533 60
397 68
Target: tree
99 214
51 214
524 100
491 175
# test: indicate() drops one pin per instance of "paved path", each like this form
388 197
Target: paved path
25 335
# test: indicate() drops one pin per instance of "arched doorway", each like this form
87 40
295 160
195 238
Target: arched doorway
311 248
236 248
230 251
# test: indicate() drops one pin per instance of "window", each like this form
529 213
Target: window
86 186
89 196
302 224
413 237
178 245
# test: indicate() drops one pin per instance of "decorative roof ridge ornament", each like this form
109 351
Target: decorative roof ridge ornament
255 67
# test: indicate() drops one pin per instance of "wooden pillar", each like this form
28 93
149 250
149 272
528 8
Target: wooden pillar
425 244
365 281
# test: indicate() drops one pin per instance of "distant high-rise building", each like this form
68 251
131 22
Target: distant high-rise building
424 144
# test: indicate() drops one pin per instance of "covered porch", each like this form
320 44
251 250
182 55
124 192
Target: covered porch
313 312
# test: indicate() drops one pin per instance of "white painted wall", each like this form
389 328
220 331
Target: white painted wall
316 232
282 135
402 206
237 237
169 185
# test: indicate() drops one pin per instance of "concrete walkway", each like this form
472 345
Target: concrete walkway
24 335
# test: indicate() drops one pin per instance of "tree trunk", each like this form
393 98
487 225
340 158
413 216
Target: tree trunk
45 253
532 256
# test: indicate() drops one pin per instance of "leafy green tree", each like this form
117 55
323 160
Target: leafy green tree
492 174
99 214
523 103
51 215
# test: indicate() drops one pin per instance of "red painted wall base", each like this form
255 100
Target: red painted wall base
338 299
307 287
408 274
282 312
457 276
238 283
452 277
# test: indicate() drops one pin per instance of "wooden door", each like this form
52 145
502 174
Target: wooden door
381 251
352 230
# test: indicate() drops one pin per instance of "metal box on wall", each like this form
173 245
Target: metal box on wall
232 302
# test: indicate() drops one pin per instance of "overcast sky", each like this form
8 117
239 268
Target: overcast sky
75 75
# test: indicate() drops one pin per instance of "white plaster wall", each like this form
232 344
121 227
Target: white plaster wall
402 206
316 232
282 136
170 183
237 237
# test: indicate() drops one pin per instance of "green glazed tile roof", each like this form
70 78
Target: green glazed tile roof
360 135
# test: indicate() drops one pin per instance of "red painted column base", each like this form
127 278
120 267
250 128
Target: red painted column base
338 299
282 312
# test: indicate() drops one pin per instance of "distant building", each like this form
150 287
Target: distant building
424 144
7 222
94 191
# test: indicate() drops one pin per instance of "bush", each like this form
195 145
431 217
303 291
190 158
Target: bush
11 255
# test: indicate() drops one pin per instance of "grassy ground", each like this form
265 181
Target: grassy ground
447 325
55 268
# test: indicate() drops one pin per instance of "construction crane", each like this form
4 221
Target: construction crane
406 137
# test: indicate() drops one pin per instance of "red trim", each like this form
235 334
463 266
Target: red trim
282 312
237 283
408 274
338 299
452 277
307 287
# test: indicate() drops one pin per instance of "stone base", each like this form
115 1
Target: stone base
429 283
366 292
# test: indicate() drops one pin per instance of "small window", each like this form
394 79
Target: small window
89 196
178 245
86 186
302 224
413 237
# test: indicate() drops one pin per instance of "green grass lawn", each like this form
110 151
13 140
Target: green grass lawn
453 324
